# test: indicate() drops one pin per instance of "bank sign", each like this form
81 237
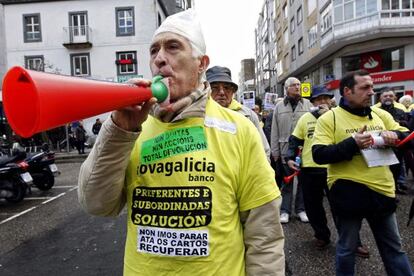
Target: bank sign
380 78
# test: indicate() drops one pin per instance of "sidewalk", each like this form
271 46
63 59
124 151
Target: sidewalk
71 157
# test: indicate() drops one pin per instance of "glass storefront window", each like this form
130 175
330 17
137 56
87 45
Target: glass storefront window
384 60
328 71
313 77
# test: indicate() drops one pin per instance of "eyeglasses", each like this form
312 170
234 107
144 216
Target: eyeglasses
215 88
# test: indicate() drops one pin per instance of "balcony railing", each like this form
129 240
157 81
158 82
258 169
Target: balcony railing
77 36
380 19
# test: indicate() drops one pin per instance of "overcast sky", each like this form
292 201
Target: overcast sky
228 27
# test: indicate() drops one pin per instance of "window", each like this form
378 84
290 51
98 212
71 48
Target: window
359 8
34 63
349 9
264 49
159 20
315 77
272 34
285 11
279 68
279 45
125 21
293 53
292 25
78 22
326 16
394 6
266 60
311 6
285 62
80 65
127 63
312 36
299 15
300 45
264 31
264 12
285 37
180 4
328 71
32 31
385 60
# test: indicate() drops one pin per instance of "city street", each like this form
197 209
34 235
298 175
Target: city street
58 238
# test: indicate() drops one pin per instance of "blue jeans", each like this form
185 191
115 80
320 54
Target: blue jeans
287 196
387 238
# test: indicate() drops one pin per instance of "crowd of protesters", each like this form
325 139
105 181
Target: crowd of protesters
215 207
333 144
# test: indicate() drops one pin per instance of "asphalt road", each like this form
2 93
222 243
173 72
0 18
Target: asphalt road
58 238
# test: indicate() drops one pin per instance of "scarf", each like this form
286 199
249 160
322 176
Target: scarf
180 109
362 111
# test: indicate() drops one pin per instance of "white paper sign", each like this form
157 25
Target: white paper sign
270 101
248 99
375 157
172 242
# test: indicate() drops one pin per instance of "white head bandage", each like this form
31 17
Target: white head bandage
187 25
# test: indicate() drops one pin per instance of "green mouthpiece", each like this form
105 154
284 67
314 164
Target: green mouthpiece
159 89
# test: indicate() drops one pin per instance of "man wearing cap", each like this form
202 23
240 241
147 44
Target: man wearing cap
200 194
222 91
312 176
285 117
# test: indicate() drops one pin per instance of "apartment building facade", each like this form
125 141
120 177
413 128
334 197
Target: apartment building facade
320 40
266 50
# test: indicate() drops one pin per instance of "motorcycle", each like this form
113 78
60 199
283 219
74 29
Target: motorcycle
15 180
43 169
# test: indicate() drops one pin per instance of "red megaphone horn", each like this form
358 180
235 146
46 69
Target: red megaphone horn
289 178
406 139
36 101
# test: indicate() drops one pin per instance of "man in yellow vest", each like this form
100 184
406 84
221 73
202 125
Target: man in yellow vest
348 138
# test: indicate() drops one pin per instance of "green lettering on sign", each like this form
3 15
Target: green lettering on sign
173 142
